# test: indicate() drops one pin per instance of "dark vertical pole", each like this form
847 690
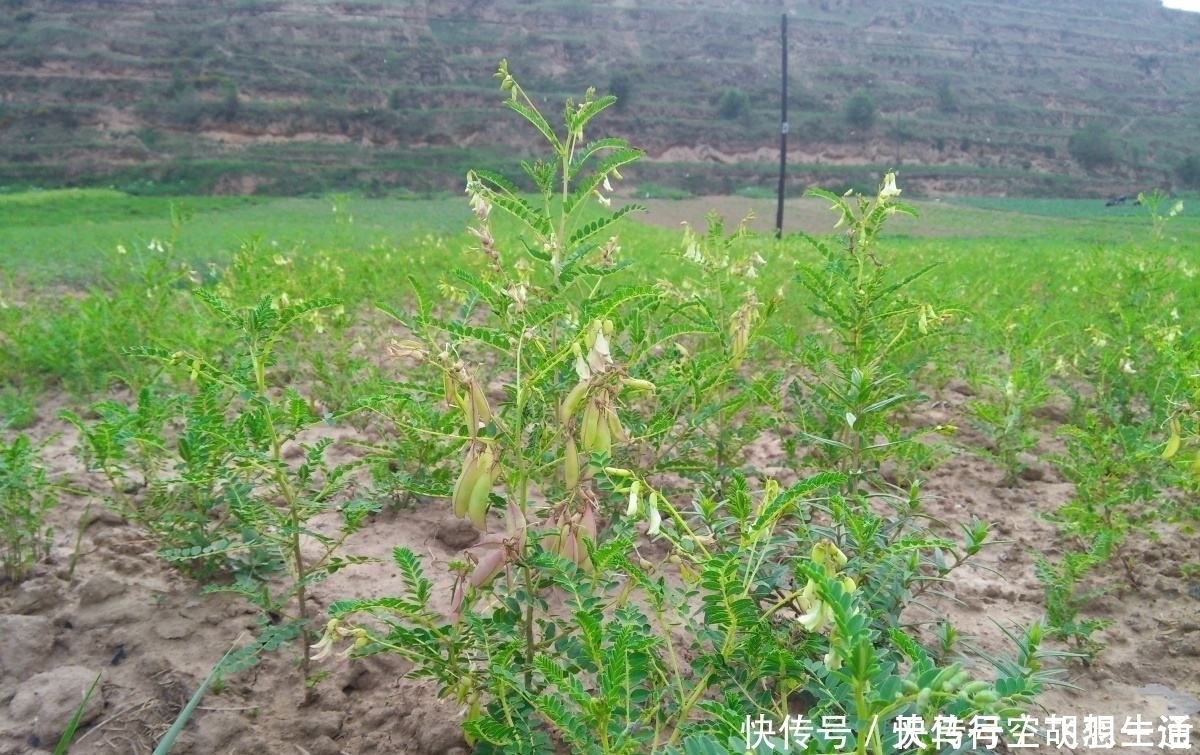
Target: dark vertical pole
783 131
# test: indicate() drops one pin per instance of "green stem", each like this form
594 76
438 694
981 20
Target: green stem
304 638
784 601
860 709
520 485
685 708
530 646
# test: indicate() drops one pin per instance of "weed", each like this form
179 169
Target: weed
1115 484
64 742
1159 212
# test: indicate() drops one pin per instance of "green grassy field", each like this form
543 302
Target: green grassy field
989 254
829 344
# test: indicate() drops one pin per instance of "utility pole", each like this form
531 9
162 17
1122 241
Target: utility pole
783 132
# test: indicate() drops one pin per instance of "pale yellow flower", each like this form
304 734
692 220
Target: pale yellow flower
655 517
889 189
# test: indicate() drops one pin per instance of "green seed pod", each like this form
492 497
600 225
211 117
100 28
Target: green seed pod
465 484
603 437
478 505
589 427
635 384
615 431
956 681
923 698
571 465
944 676
973 688
573 401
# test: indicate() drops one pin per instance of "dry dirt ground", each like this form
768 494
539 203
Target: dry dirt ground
152 636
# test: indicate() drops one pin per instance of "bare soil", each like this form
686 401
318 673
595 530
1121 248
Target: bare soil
152 636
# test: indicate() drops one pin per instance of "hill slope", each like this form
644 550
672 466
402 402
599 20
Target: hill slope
298 96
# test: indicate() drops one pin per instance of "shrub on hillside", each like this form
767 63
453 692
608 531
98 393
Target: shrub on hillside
1188 172
947 102
859 111
620 85
734 104
1094 147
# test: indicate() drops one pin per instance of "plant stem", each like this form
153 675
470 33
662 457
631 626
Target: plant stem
285 489
530 646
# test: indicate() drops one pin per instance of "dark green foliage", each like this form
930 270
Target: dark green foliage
947 101
1188 171
1094 147
859 111
733 104
620 85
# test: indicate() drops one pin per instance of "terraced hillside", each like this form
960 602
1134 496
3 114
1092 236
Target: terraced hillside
291 96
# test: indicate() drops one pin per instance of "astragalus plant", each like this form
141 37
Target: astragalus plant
607 610
27 495
232 469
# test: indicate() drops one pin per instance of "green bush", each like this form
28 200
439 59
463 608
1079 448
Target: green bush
859 111
620 85
947 102
1094 147
1188 172
734 104
26 497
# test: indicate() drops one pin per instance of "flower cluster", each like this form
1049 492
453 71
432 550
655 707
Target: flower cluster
817 616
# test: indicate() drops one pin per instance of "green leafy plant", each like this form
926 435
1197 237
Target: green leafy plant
1060 581
27 495
85 341
248 474
852 386
417 461
17 410
705 348
1160 212
1116 483
1007 397
127 445
566 628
